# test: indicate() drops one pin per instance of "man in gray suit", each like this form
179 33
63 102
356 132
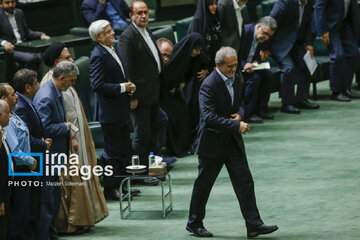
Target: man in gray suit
14 29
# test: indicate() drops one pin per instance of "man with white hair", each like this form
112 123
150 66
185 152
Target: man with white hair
220 142
112 103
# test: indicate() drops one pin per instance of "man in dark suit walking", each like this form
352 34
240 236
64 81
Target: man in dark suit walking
337 23
289 45
220 142
143 64
112 103
14 29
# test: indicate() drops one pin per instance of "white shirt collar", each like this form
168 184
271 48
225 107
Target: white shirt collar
141 30
107 48
223 77
237 6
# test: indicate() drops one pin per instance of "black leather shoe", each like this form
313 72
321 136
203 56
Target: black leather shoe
199 232
340 97
265 115
349 94
290 109
262 229
305 104
151 182
112 195
134 192
255 119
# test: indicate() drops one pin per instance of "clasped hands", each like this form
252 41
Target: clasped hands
244 127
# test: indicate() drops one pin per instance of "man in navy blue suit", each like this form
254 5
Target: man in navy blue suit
114 11
289 45
49 104
220 142
336 22
258 83
112 103
25 83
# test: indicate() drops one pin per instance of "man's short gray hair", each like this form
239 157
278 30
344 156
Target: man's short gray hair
66 69
97 27
2 106
268 21
224 52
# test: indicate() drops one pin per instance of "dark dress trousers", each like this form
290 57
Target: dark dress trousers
221 143
329 16
28 114
111 110
142 70
258 83
287 48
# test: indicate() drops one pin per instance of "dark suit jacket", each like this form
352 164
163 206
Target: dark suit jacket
7 33
4 176
286 13
111 106
51 110
230 35
328 16
216 129
140 65
33 121
92 10
247 41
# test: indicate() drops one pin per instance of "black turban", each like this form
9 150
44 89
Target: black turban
52 53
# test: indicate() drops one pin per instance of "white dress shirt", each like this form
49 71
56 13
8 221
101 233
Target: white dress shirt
150 43
346 7
14 26
238 15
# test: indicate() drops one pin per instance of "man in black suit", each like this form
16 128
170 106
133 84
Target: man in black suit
289 45
112 104
14 29
5 189
143 64
257 83
232 22
220 142
25 83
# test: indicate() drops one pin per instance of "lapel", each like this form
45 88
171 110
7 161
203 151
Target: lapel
111 58
297 14
59 101
237 91
6 24
20 27
224 89
233 16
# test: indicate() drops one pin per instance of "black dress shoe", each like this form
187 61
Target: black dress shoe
262 229
290 109
254 119
199 232
112 195
340 97
151 182
307 105
134 192
265 115
349 94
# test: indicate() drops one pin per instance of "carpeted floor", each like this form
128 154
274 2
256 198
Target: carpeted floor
306 170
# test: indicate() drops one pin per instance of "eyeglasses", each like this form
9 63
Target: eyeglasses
108 31
265 33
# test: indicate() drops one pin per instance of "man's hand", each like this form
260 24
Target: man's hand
68 124
235 117
172 91
44 37
325 39
134 104
244 127
181 86
202 75
264 55
75 144
33 167
48 142
130 88
102 1
248 68
9 47
310 49
2 209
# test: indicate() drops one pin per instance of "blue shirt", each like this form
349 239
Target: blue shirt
18 139
229 84
116 19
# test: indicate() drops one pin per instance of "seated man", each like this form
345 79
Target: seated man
115 11
13 29
257 84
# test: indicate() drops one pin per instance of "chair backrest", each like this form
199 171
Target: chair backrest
182 26
166 32
83 87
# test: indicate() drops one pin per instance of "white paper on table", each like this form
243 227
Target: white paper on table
261 66
310 62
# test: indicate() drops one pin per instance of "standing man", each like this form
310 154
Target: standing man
14 29
143 64
257 83
49 103
112 90
290 43
232 23
336 22
220 143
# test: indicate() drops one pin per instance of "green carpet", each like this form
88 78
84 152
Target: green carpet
306 170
